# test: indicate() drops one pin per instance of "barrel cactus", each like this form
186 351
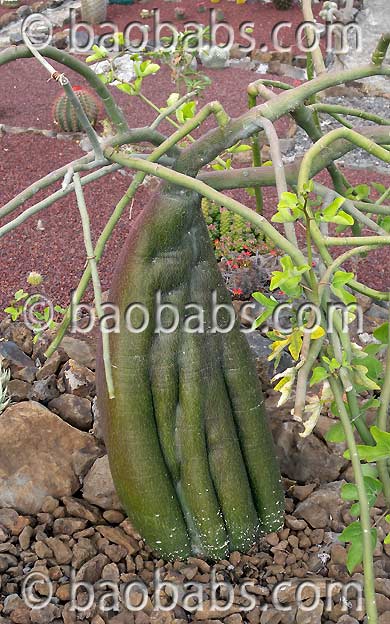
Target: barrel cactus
65 115
189 448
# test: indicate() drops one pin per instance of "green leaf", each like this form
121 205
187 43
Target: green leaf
382 333
13 312
373 349
127 88
359 192
289 200
373 487
289 280
295 345
379 187
147 68
236 149
333 214
384 222
319 374
186 111
341 278
354 534
20 294
349 492
269 303
99 53
335 434
339 281
361 378
59 309
381 450
331 210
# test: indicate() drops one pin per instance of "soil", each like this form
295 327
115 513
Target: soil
57 251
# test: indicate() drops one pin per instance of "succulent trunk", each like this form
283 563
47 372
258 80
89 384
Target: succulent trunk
189 447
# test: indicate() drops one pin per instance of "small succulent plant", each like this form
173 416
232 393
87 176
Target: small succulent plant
65 115
230 233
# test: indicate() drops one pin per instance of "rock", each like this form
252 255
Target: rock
74 410
61 551
60 40
98 427
302 459
214 57
20 616
322 509
347 619
313 616
111 573
50 367
301 492
98 486
271 616
295 523
384 618
20 335
7 561
23 11
40 456
49 504
9 518
83 551
382 586
68 526
45 615
207 612
77 379
42 550
19 390
117 536
45 390
12 602
25 537
382 603
81 509
113 517
79 350
91 571
338 554
21 365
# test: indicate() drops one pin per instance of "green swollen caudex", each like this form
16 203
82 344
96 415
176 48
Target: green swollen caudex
190 451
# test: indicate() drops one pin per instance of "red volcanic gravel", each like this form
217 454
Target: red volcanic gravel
58 251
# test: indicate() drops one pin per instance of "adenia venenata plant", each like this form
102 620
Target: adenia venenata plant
188 442
189 447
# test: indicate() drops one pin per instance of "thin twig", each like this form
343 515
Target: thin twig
95 281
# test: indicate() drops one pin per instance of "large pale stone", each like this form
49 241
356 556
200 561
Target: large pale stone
40 455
